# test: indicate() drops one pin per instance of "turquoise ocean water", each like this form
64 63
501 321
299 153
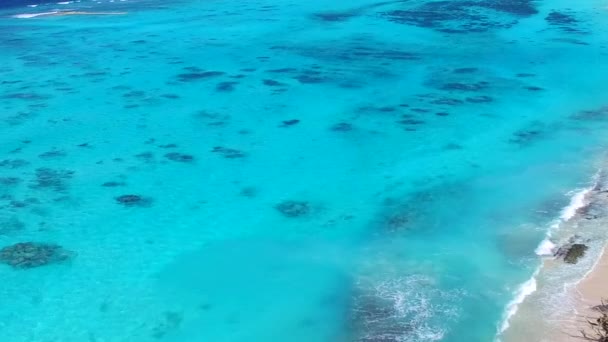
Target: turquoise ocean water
308 170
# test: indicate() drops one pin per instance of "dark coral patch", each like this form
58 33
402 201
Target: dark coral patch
454 86
33 254
464 16
342 127
272 83
447 101
225 87
479 99
198 76
229 153
310 79
52 154
288 123
334 16
525 137
293 208
134 201
180 157
25 96
145 156
566 22
113 184
397 222
249 192
134 94
411 122
534 88
420 110
465 70
374 109
47 178
282 70
339 16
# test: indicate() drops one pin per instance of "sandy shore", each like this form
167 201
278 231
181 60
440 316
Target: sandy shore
589 293
593 288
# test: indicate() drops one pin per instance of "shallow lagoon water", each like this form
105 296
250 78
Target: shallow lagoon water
427 148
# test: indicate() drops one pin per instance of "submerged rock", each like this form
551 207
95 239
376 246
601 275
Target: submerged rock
196 76
397 222
134 201
113 184
288 123
575 252
293 208
228 153
179 157
47 178
33 254
572 251
342 127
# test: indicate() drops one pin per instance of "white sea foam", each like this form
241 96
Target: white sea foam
32 15
522 292
32 6
578 200
545 248
64 3
411 298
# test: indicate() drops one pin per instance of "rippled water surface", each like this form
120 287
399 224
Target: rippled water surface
288 170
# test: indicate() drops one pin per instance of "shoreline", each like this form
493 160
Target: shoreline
564 294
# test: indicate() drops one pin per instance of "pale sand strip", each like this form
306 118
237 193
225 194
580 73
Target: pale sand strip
589 292
594 287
